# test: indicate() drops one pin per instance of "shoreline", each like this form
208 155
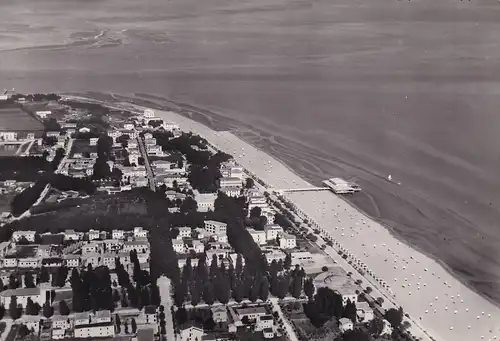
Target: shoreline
197 127
142 102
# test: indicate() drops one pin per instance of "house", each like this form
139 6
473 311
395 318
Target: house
90 248
182 261
178 246
272 231
139 232
219 314
215 227
230 182
94 234
206 201
9 262
300 257
364 312
258 236
345 324
94 326
58 334
138 245
184 232
287 241
108 259
150 314
37 295
268 333
91 258
252 313
128 126
43 113
32 263
72 261
118 234
195 245
191 333
149 113
32 323
21 235
263 322
276 255
61 322
146 333
72 235
52 262
387 330
231 191
53 133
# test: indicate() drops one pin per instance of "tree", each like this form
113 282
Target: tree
133 324
249 183
355 335
255 212
28 280
264 289
118 323
48 311
288 261
394 317
309 288
44 275
350 311
125 327
30 308
63 308
2 312
14 310
376 326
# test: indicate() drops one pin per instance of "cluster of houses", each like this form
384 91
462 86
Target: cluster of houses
23 253
234 316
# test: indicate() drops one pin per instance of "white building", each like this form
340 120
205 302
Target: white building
231 191
72 235
138 245
43 113
178 246
275 255
9 262
300 257
37 295
118 234
191 333
20 235
148 113
230 182
287 241
93 141
90 248
29 263
215 227
345 324
272 231
184 232
258 236
94 234
139 232
264 322
206 201
363 312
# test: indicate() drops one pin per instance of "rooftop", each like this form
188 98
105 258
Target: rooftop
20 292
251 310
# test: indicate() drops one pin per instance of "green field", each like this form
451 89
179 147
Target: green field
16 119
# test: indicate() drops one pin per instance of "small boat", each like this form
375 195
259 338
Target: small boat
389 177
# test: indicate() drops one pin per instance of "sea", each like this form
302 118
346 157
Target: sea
360 89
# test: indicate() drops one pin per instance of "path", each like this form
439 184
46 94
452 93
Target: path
290 333
151 178
166 301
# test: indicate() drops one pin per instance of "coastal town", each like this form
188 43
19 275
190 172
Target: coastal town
118 224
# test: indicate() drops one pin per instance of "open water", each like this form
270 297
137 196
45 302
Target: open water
352 88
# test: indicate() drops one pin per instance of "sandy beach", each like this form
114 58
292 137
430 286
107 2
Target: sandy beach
447 309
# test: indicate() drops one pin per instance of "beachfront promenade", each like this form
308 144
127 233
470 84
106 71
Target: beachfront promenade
447 309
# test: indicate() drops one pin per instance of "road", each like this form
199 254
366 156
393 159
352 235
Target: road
164 286
290 333
149 171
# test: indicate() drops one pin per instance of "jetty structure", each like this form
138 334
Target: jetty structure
341 186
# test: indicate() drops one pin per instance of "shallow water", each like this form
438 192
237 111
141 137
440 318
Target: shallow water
353 88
